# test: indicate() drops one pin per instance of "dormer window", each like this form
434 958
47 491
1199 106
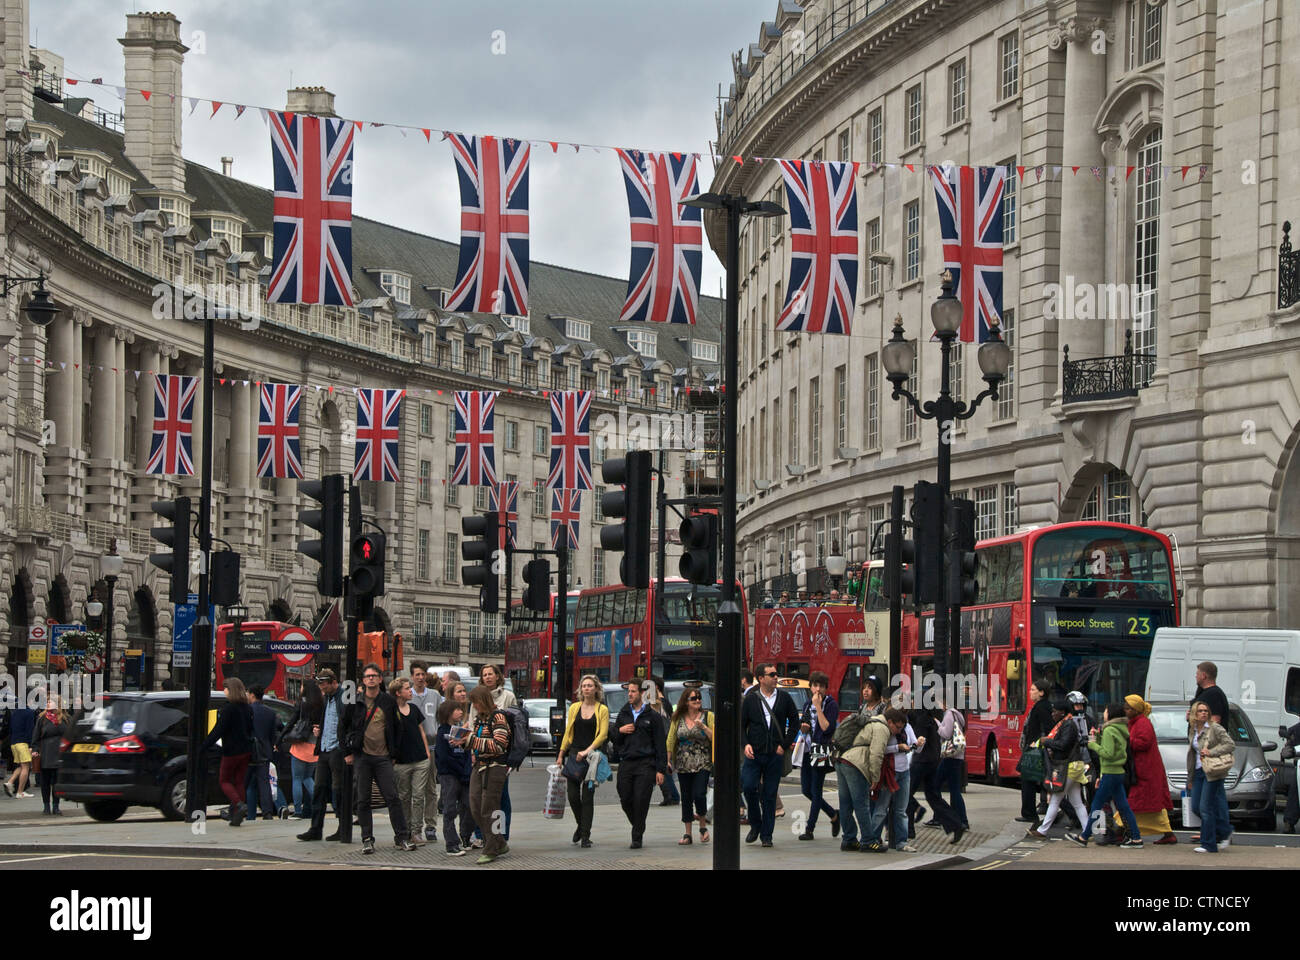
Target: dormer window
704 351
396 285
518 324
118 185
577 329
178 212
643 342
230 231
456 354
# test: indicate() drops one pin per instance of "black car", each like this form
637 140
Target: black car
131 752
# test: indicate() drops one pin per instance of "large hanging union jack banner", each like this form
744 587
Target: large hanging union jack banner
970 221
570 440
566 506
667 238
503 500
171 448
823 284
475 447
492 276
379 417
312 160
279 452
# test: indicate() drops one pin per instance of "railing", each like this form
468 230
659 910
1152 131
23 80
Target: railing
1106 378
1288 271
281 561
435 643
487 646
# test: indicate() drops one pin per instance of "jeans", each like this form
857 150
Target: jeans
812 781
430 799
855 802
486 784
880 810
1214 824
455 804
763 770
669 790
898 806
695 794
234 771
636 784
928 774
950 771
1111 790
411 784
582 801
328 786
379 769
1222 827
259 789
303 776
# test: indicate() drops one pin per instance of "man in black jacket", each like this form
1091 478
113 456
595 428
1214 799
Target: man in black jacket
328 781
1036 726
369 745
266 730
641 735
769 723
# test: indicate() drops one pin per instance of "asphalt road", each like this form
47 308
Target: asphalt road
115 861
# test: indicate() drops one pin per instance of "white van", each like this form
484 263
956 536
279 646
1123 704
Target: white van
1259 670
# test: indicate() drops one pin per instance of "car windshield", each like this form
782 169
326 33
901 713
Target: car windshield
1170 722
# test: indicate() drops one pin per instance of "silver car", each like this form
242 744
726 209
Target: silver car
539 724
1249 786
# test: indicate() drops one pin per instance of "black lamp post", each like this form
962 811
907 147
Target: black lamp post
110 567
730 649
994 359
41 308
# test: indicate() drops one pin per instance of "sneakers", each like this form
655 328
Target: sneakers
1131 844
634 845
848 846
872 846
418 840
932 822
28 796
1077 838
456 851
1203 850
586 844
476 844
1225 842
9 789
766 843
484 859
430 835
907 848
404 844
806 835
367 845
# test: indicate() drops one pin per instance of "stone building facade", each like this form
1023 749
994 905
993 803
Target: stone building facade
1165 241
107 209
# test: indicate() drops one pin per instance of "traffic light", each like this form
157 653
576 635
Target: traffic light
482 550
632 504
963 588
895 577
328 550
225 578
367 566
927 522
177 537
537 585
699 562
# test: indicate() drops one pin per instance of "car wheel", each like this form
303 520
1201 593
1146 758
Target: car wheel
992 764
173 797
105 811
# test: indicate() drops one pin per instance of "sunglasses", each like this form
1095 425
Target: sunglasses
692 699
771 674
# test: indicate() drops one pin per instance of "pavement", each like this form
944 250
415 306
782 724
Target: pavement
536 843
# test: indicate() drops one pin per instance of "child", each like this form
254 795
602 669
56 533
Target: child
452 761
1111 748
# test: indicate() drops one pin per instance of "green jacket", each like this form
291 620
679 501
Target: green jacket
868 750
1112 746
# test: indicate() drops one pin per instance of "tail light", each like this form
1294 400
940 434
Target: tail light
131 744
64 743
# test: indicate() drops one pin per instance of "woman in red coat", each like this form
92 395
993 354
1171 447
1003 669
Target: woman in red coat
1150 797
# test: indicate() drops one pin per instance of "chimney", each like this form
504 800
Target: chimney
314 100
17 90
226 164
154 57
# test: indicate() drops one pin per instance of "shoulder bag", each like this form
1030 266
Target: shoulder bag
957 742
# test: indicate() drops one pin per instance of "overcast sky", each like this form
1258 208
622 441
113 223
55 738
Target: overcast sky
590 71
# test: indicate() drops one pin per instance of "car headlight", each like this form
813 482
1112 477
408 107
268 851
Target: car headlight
1257 774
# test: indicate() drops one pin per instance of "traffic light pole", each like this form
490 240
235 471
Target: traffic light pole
353 614
201 656
559 633
894 573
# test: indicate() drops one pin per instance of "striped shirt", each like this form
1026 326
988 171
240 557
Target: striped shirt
491 740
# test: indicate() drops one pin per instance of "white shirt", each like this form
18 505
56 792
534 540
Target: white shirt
902 758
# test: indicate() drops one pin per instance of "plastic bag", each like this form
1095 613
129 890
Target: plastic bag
553 802
1190 817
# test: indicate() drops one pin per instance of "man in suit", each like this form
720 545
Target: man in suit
641 735
769 723
328 783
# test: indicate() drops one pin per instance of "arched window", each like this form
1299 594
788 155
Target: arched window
1146 254
1113 500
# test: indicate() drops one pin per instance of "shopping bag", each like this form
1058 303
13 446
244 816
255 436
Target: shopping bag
800 748
553 803
1032 766
1190 817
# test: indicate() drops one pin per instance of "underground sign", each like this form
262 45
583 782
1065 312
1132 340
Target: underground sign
294 647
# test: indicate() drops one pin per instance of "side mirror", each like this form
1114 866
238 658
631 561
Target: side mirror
1268 746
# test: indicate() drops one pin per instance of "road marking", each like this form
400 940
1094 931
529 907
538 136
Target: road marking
48 856
142 856
992 865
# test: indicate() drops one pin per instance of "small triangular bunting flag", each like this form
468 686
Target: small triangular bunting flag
146 94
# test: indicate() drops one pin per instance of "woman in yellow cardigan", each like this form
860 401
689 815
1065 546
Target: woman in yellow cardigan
690 753
586 731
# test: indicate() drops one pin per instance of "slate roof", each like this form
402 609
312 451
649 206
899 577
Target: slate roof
554 292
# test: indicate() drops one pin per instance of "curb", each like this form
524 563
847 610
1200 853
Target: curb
157 851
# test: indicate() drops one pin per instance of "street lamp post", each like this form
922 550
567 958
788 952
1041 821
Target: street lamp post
110 568
237 613
994 359
730 647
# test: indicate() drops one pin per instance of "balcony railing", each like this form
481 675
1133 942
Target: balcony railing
1288 271
487 646
435 643
1106 378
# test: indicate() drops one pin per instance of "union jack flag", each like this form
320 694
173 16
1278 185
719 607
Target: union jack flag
379 415
823 283
312 160
492 276
566 507
667 238
171 449
570 440
503 500
279 452
475 433
970 221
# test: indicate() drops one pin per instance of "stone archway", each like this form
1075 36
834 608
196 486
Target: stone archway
142 634
59 602
280 610
1102 492
22 611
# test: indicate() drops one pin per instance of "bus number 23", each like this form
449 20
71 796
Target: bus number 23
1139 626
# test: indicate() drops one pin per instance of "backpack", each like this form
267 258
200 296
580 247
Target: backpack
520 737
846 732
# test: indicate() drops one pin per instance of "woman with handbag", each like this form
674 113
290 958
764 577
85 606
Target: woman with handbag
301 743
690 753
1060 745
51 727
820 716
585 731
234 728
1149 796
1111 747
1209 760
952 762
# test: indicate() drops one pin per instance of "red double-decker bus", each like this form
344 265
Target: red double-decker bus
279 674
617 631
530 657
846 641
1077 604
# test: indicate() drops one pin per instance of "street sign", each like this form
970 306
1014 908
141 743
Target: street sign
38 638
184 616
295 647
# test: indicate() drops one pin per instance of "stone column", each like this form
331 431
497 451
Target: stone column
62 458
1083 211
104 439
119 394
241 505
147 488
